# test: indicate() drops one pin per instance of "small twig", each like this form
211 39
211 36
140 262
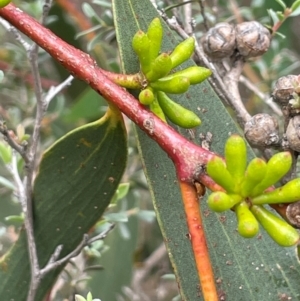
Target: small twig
263 96
187 10
231 81
202 10
141 273
46 8
101 235
54 263
53 91
16 34
236 11
13 169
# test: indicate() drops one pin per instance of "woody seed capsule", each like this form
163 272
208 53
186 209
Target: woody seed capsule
219 41
293 133
252 39
262 130
284 89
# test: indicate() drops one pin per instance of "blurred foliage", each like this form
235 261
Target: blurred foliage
106 269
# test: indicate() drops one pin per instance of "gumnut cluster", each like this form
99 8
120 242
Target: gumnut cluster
159 79
249 39
248 188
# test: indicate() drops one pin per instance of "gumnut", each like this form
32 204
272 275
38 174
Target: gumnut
293 133
252 39
284 89
219 41
293 214
262 130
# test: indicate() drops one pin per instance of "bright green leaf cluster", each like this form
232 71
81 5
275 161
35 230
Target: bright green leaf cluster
159 78
88 298
246 193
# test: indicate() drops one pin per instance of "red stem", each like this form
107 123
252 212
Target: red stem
198 241
187 156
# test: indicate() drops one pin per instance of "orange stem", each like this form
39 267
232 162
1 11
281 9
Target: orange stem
198 240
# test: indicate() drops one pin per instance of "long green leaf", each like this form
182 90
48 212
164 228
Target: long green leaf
251 270
77 178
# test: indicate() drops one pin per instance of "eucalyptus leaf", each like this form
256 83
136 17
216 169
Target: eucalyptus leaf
71 191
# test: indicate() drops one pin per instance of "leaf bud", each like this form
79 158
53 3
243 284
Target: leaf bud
182 52
220 201
176 113
219 41
288 193
155 35
172 84
236 157
146 96
278 165
252 39
217 170
262 130
281 232
247 223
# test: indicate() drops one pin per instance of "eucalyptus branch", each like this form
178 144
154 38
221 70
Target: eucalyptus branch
84 67
202 10
55 263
